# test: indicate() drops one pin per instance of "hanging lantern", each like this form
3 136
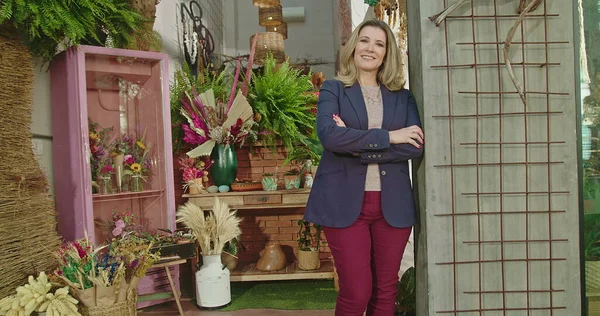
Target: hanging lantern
281 29
271 16
268 42
265 3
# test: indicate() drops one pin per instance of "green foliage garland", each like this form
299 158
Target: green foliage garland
48 25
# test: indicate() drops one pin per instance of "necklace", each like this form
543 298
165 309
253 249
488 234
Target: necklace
372 95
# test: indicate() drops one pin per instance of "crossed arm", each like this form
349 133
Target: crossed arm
373 145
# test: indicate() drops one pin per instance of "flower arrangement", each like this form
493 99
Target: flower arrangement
138 158
36 296
99 143
213 231
195 171
102 276
210 121
138 162
120 224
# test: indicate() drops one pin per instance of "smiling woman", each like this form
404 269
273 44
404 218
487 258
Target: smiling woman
372 34
369 128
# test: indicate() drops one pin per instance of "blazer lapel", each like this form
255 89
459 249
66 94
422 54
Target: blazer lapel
357 100
389 106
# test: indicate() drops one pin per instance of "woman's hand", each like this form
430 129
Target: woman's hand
409 135
338 121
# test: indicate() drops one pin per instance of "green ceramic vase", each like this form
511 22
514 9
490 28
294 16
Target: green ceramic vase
224 168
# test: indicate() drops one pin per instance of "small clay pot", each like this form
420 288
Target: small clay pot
272 258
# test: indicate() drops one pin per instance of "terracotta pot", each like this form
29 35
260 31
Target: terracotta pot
272 258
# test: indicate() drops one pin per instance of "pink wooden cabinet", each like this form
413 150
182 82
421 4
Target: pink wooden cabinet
129 91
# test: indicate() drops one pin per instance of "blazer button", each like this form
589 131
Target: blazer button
369 156
370 145
378 155
383 173
375 145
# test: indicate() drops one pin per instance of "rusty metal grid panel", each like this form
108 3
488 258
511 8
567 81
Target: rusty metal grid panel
504 200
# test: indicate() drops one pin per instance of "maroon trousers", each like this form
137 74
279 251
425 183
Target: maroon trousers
367 258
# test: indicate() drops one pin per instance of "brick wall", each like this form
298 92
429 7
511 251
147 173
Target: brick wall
262 225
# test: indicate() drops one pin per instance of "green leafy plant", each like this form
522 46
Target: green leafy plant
309 236
591 237
311 150
280 97
406 299
46 25
292 172
233 247
185 82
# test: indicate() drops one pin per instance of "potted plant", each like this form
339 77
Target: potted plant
591 238
212 231
269 181
282 99
309 245
291 178
229 256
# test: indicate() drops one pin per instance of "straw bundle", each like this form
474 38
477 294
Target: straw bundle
281 29
270 16
211 231
268 42
27 217
265 3
145 38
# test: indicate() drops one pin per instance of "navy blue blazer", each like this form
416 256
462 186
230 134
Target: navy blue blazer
337 194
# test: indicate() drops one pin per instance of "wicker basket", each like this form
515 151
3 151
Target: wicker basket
126 308
281 29
268 42
308 260
592 276
270 16
265 3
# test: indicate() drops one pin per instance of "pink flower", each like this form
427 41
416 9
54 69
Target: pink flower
190 174
190 136
119 225
107 169
117 231
128 159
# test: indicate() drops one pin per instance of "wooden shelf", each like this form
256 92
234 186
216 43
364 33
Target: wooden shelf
249 272
126 195
253 199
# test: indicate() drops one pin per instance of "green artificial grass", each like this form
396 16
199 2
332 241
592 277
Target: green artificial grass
289 295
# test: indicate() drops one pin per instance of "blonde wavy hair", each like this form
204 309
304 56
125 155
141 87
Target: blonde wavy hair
391 72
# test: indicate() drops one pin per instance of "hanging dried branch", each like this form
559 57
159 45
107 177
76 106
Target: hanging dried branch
523 4
440 17
508 41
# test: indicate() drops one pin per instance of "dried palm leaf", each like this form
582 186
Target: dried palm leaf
240 108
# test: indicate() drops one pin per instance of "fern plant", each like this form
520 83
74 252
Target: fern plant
47 25
184 81
280 97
